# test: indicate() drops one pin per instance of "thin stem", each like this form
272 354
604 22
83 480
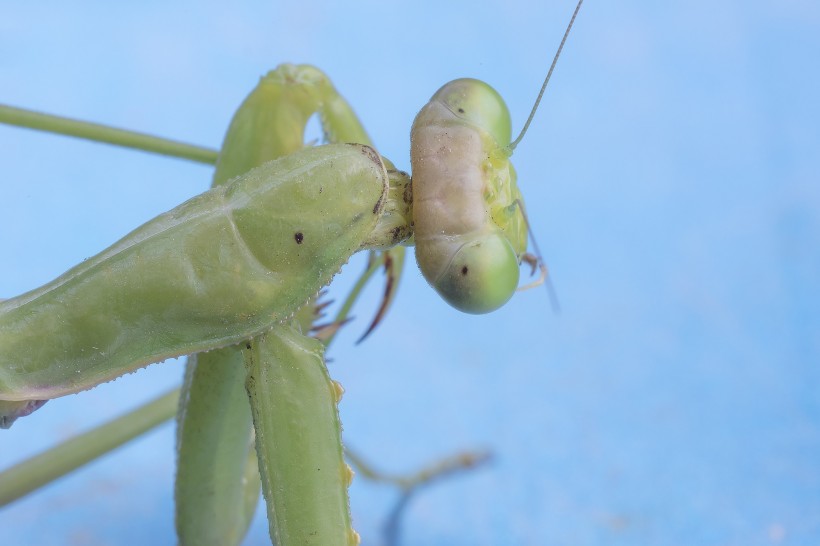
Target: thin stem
41 469
106 134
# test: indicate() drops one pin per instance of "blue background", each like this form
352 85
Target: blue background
672 176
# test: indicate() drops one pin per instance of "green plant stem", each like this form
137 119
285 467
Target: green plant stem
103 133
41 469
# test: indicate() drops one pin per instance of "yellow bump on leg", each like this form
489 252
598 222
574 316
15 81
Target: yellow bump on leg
339 391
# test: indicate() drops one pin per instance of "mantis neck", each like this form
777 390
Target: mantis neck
396 221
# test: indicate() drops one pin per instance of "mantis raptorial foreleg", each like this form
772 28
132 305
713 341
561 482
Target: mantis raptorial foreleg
215 477
298 438
168 277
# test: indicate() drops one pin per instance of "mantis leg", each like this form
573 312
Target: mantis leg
217 483
103 133
271 123
216 270
41 469
298 439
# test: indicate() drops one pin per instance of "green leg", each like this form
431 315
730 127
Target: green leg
103 133
298 439
41 469
217 484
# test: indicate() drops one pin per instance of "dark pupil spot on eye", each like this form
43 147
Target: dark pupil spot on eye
299 237
461 110
248 346
464 270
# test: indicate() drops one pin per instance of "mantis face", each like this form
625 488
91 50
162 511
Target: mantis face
469 229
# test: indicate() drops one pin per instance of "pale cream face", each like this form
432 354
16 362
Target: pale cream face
447 158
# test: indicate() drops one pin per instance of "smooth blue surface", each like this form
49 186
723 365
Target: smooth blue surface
672 176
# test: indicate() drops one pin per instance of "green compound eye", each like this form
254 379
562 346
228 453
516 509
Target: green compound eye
481 277
479 105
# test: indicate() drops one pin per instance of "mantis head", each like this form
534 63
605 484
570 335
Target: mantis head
470 230
468 213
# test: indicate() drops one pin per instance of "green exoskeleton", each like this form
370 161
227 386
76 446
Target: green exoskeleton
230 277
214 271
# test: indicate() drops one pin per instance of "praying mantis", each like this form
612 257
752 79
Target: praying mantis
248 341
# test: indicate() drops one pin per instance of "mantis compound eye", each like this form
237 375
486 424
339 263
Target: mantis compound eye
482 275
479 105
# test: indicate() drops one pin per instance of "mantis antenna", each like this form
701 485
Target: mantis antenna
515 142
553 296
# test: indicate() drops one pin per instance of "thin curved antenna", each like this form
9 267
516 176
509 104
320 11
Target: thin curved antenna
515 142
